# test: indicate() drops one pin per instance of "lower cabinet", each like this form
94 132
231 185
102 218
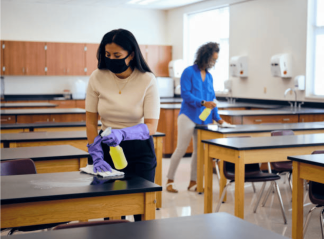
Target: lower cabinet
311 118
50 118
8 119
270 119
168 124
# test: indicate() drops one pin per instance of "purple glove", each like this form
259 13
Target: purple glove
96 152
137 132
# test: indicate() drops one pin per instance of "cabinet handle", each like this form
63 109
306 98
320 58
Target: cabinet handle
23 69
53 119
47 120
9 118
258 120
287 119
4 120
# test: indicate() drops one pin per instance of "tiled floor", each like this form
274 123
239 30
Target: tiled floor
187 203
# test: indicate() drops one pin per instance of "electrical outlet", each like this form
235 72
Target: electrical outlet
265 90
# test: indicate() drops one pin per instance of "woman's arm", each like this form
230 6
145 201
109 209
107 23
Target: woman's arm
92 126
151 125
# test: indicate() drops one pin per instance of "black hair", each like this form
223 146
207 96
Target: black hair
127 41
205 53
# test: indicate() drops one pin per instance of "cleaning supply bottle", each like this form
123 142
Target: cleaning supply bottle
206 112
203 116
116 153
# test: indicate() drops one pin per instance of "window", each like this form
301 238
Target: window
210 26
316 47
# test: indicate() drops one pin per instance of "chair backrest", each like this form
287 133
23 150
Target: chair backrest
316 190
89 224
18 167
282 132
230 167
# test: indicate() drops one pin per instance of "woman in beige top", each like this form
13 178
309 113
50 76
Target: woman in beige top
123 91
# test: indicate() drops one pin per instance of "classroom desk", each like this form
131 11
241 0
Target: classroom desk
207 226
309 167
49 159
206 132
251 150
35 199
79 140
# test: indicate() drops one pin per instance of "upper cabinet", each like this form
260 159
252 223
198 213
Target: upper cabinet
158 58
23 58
65 59
91 57
77 59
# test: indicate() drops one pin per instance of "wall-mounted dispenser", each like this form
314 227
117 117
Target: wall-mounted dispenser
239 66
281 65
299 82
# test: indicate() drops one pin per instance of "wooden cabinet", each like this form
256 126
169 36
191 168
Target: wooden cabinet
80 104
91 57
8 119
27 119
65 58
157 58
23 58
311 118
64 103
168 124
13 57
67 117
270 119
1 59
35 58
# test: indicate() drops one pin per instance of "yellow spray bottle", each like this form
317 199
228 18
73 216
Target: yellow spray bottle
206 112
116 153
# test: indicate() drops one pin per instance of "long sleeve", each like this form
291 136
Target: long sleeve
215 114
186 86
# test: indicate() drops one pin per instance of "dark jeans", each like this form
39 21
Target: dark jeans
141 159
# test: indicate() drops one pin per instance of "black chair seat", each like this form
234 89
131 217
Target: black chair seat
316 193
253 177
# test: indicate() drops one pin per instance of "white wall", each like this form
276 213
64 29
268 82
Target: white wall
260 29
61 23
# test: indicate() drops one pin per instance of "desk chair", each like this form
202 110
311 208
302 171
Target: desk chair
280 167
19 167
316 196
88 224
253 173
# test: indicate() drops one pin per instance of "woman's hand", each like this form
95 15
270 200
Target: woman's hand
210 104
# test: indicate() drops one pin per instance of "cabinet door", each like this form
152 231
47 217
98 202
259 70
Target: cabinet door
67 117
14 57
75 59
27 119
2 45
8 119
165 125
80 104
165 56
35 58
153 58
91 58
55 59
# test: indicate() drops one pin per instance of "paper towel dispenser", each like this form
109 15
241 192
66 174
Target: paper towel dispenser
239 66
176 68
299 82
281 65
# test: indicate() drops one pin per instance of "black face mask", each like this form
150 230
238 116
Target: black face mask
116 65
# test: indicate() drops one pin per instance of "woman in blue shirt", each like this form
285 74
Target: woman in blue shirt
198 93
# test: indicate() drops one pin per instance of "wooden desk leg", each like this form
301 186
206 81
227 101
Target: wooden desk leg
149 206
239 187
158 171
208 194
222 181
297 203
200 163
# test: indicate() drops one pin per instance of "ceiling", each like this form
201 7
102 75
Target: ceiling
148 4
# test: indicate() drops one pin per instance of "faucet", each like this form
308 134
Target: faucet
286 92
